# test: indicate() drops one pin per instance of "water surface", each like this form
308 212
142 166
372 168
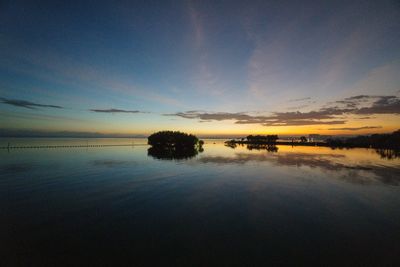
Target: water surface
120 205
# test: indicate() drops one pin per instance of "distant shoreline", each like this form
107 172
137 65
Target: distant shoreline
314 144
287 143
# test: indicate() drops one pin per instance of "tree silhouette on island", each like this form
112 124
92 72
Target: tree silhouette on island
258 142
377 141
381 141
255 139
173 145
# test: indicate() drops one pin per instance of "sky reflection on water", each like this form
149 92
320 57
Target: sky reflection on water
351 165
230 206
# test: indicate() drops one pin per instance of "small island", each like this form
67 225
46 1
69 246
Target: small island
174 145
254 140
257 142
377 141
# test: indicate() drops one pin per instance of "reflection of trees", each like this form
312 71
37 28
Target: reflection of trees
388 153
254 146
380 141
268 147
259 142
231 144
166 153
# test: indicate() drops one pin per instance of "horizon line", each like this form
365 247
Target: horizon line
14 133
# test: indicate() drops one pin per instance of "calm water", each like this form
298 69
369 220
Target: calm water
119 205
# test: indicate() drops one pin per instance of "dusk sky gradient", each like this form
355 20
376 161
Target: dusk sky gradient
205 67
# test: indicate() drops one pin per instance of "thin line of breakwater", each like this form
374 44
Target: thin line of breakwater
67 146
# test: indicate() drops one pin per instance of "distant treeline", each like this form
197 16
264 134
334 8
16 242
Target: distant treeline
256 139
390 141
379 141
269 139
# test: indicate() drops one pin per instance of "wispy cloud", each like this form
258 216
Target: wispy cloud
328 115
26 104
302 122
205 77
51 66
115 110
277 119
297 107
372 104
365 118
384 105
198 31
215 116
300 99
355 128
291 60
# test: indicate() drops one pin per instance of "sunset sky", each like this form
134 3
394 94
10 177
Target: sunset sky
205 67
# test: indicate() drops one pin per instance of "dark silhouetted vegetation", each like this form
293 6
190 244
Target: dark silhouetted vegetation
268 147
262 139
388 153
252 146
158 152
173 140
231 144
254 139
174 145
381 141
258 142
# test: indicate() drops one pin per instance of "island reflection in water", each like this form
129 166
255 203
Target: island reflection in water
169 154
227 206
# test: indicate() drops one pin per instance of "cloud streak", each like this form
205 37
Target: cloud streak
114 110
325 162
277 119
328 115
300 99
355 128
26 104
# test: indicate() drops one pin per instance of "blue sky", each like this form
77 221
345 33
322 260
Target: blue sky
198 65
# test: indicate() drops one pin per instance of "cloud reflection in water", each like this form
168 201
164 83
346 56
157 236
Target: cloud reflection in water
334 165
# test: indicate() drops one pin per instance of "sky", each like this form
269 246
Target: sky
204 67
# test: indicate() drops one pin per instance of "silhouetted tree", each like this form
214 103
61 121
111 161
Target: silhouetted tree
303 139
173 139
388 153
388 141
260 139
174 145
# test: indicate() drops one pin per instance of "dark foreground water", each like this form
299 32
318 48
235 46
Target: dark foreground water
120 206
